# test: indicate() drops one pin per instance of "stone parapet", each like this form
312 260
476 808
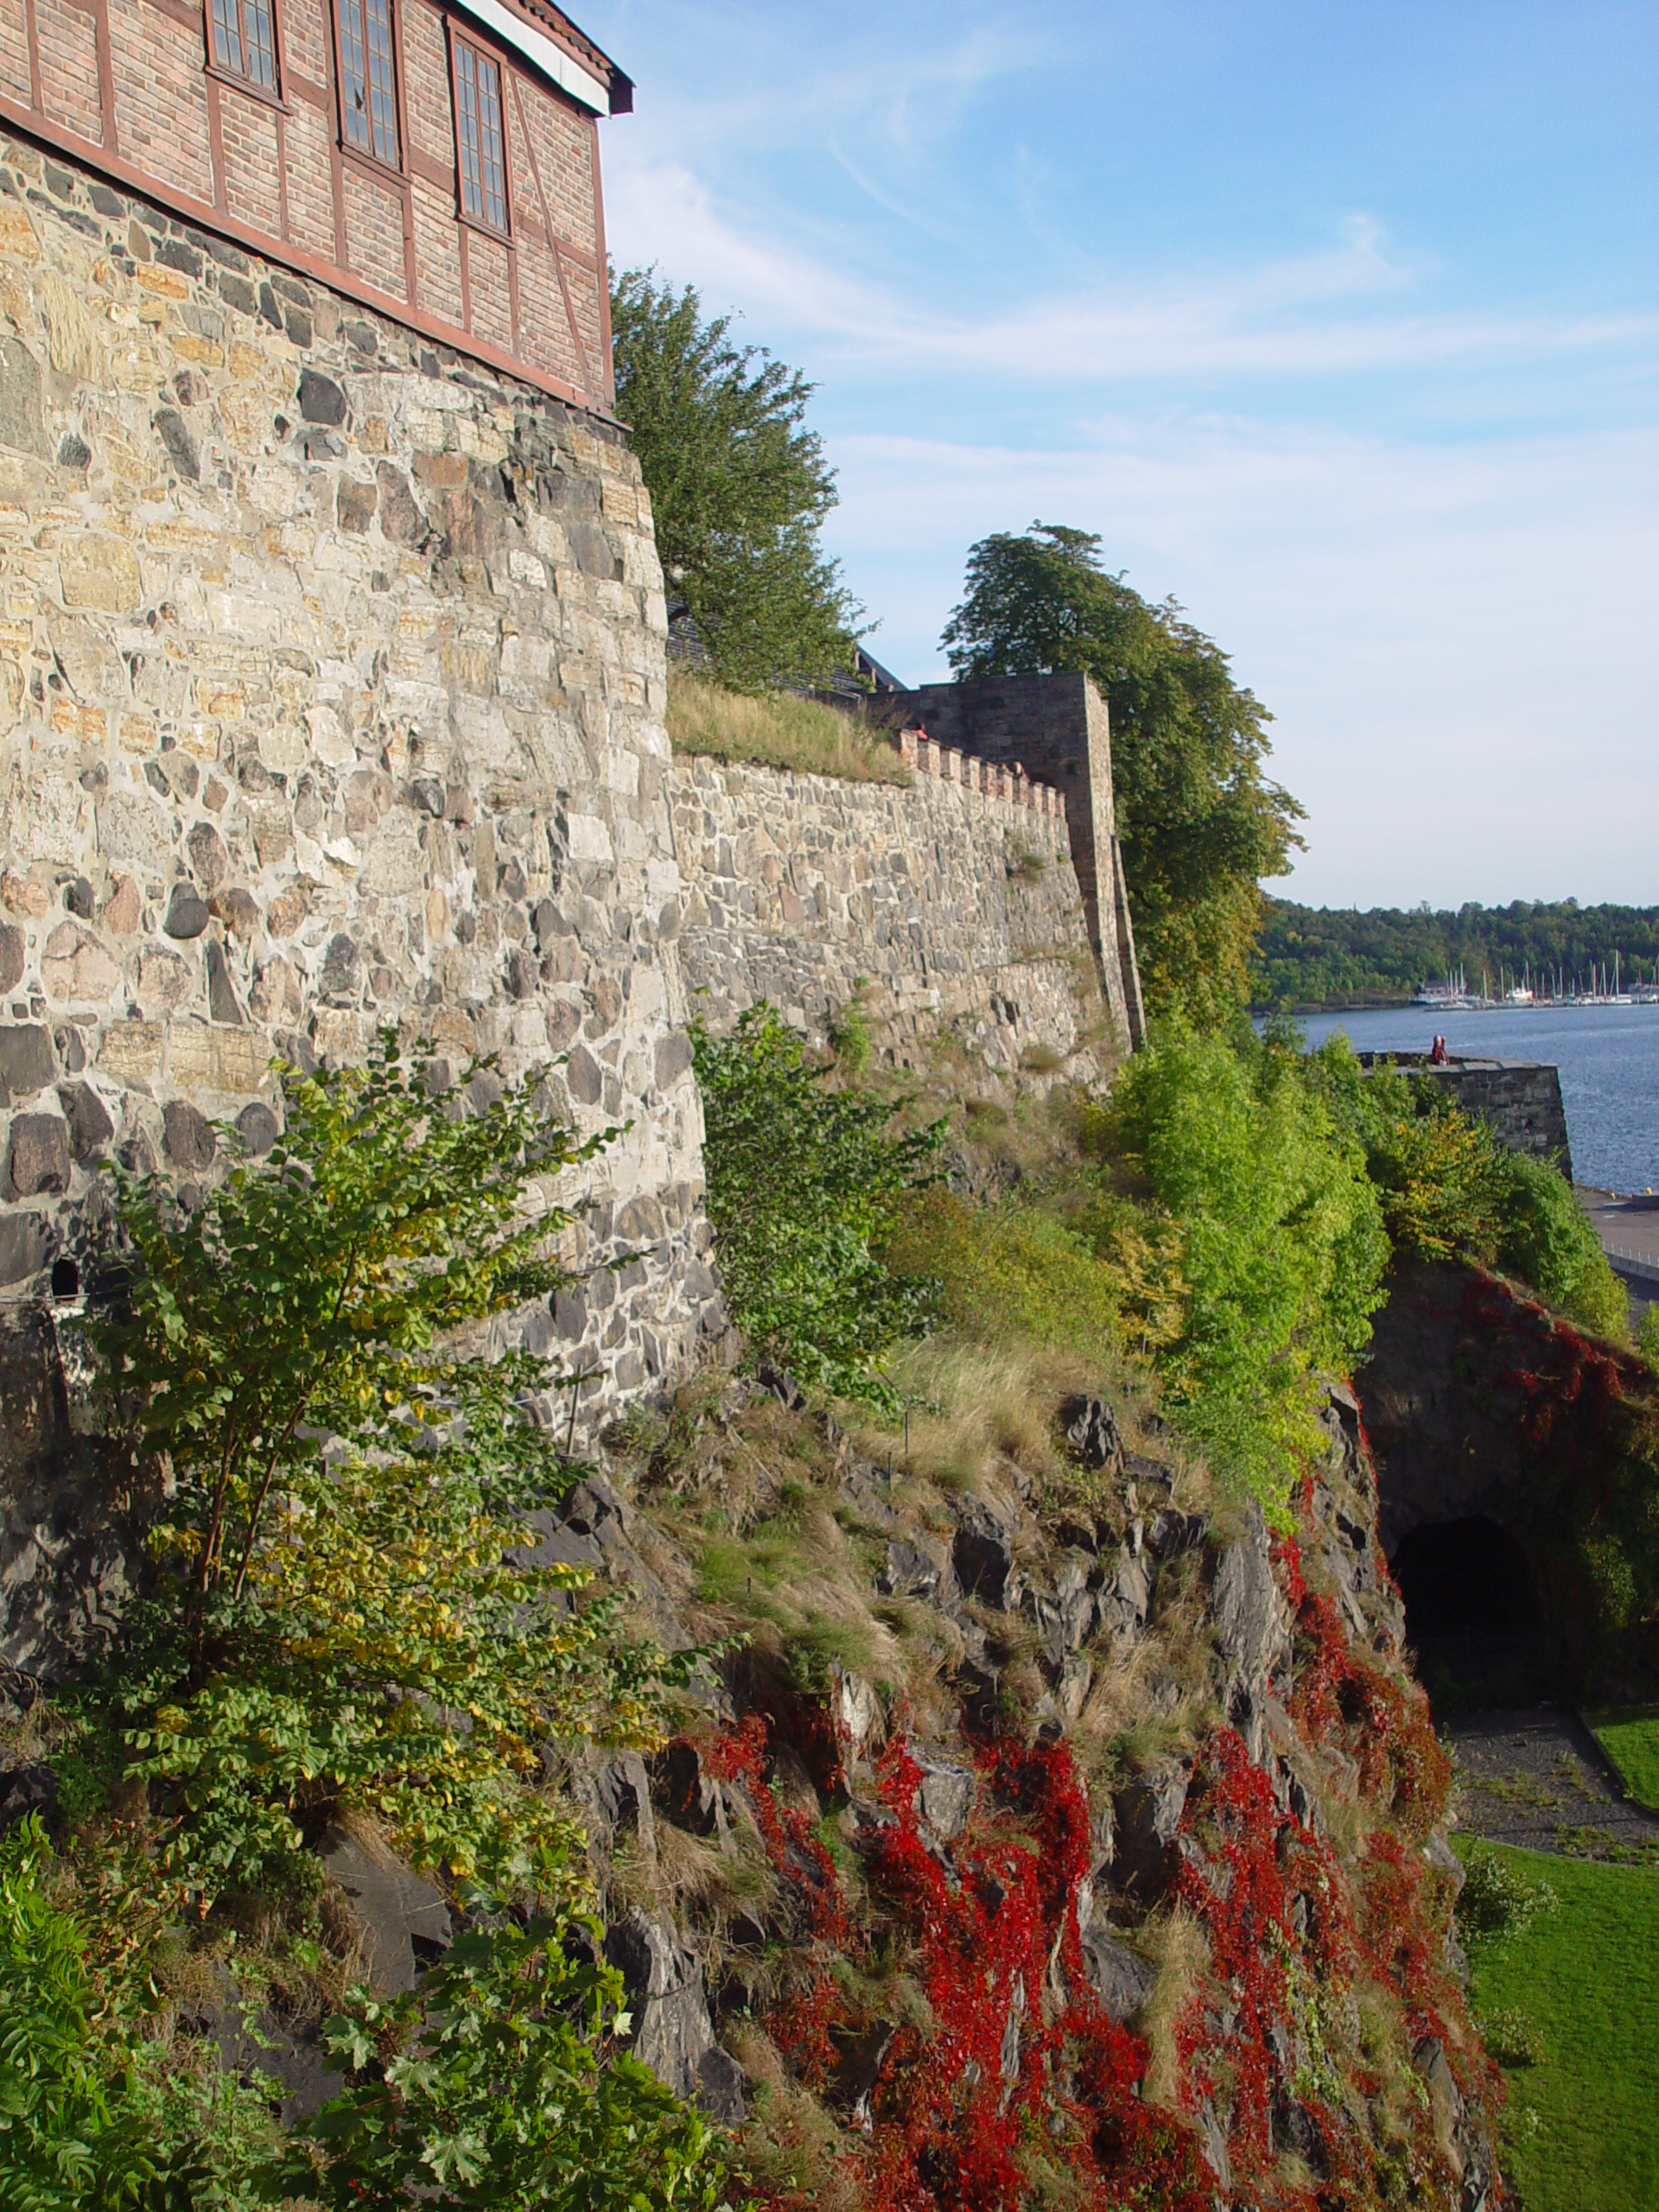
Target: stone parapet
1521 1099
1009 785
950 909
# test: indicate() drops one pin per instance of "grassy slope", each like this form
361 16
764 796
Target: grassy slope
1588 1977
1630 1740
776 730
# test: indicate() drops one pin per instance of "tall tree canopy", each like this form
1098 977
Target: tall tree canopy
1200 822
739 488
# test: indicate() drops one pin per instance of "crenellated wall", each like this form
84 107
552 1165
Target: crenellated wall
332 685
951 908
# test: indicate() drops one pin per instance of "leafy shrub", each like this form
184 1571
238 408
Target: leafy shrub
849 1039
1440 1174
806 1187
495 2094
1512 2037
1546 1237
337 1620
1450 1190
89 2115
1011 1269
1281 1242
1497 1902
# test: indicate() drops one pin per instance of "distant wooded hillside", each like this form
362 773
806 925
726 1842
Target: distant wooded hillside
1311 956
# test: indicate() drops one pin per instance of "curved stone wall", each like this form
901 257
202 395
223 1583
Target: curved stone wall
331 689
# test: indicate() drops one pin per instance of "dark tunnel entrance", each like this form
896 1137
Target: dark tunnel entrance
1472 1614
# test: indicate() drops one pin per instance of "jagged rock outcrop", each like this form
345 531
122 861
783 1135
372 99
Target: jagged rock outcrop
1267 1678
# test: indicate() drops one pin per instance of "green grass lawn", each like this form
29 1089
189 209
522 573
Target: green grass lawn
1630 1736
1588 1978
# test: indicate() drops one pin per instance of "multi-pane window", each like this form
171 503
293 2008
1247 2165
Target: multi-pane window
478 131
368 81
244 41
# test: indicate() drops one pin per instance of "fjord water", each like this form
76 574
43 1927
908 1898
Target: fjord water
1608 1057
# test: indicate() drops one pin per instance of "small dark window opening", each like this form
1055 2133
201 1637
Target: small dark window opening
244 41
368 78
478 133
66 1279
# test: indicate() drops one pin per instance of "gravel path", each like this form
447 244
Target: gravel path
1540 1779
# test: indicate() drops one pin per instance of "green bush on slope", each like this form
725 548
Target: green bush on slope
1450 1190
1281 1237
337 1626
807 1186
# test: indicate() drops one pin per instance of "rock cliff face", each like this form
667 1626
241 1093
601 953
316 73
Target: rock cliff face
1114 1865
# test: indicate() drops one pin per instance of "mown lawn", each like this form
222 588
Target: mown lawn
1588 1978
1630 1736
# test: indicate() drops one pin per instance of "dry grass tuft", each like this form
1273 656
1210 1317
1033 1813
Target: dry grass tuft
1178 1946
776 729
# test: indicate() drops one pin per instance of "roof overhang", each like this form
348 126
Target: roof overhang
610 94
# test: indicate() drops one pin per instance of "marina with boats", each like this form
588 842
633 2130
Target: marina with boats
1540 987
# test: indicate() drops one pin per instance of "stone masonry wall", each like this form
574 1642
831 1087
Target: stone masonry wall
1056 727
1521 1099
943 909
331 692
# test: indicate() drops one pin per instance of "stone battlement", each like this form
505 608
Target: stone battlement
1008 783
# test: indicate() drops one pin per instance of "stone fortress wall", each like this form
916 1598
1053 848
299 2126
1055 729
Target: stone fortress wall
1055 727
1521 1099
950 907
332 685
332 682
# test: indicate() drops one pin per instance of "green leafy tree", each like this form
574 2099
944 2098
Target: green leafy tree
738 489
342 1615
1199 821
807 1187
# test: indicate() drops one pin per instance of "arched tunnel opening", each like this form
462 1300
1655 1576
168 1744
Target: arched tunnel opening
1472 1614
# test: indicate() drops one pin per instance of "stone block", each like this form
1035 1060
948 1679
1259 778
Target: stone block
99 570
131 1051
27 1063
40 1156
201 1057
76 969
90 1125
25 1244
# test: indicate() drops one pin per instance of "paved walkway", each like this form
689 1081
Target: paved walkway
1540 1779
1629 1229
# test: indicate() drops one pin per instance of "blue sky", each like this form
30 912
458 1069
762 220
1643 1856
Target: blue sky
1340 324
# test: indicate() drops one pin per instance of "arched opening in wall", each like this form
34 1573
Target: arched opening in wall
1472 1614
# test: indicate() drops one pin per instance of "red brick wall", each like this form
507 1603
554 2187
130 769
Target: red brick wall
14 49
69 49
275 177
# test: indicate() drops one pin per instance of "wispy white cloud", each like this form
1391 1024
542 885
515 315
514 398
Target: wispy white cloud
1275 318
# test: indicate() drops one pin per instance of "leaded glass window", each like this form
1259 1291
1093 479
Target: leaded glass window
368 78
244 41
478 131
